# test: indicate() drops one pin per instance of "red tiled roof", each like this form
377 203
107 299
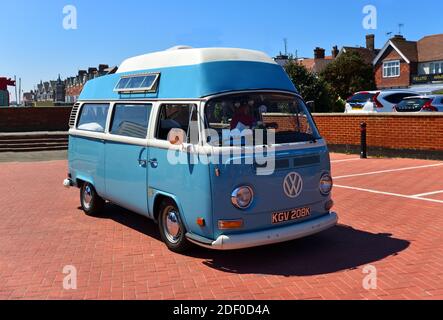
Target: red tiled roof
367 55
430 48
316 65
408 48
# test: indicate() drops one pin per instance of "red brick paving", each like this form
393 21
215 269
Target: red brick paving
436 196
121 257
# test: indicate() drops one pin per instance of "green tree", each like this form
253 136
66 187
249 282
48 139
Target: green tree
310 86
348 74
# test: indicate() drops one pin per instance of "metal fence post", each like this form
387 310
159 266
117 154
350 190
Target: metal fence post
363 141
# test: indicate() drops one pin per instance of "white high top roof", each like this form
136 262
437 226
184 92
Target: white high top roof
186 56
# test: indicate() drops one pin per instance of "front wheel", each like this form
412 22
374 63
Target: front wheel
172 230
90 201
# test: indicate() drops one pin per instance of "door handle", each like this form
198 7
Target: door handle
142 163
153 163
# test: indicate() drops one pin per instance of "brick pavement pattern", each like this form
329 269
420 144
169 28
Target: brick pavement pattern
120 256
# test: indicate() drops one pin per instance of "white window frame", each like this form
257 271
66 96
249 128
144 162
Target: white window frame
150 89
391 65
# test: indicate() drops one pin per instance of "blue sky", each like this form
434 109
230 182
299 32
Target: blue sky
34 45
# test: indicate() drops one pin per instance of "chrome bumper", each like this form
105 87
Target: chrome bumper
266 237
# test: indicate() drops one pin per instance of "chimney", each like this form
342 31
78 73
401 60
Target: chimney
370 42
335 52
319 53
102 67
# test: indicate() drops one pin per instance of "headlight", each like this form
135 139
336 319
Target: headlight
326 184
242 197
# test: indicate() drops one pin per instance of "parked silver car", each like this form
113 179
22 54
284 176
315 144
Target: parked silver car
376 101
431 103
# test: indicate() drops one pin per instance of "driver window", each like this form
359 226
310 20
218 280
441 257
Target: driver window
176 116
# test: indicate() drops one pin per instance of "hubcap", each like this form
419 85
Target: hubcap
87 196
172 226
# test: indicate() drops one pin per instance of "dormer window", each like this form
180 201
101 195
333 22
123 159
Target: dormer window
138 83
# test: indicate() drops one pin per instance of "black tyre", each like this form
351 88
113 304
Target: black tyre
90 201
171 227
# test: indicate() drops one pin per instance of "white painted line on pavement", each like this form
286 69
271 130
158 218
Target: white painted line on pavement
427 194
388 194
388 171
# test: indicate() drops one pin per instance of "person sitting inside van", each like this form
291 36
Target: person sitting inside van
242 118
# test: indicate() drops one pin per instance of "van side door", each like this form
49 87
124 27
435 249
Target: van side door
172 173
127 155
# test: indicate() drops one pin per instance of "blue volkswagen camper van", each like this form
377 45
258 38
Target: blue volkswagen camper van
215 145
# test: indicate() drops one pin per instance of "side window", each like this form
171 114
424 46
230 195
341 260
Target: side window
176 116
131 120
93 117
398 97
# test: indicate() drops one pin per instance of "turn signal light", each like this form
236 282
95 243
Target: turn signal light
230 224
201 222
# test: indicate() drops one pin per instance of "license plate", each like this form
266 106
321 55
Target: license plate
357 107
291 215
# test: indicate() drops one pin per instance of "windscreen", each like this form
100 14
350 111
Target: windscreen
361 97
284 117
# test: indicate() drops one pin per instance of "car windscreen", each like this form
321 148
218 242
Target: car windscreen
285 117
412 105
361 97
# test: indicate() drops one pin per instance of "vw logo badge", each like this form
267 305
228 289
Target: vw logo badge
293 185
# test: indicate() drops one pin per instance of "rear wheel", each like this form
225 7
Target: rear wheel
90 201
171 227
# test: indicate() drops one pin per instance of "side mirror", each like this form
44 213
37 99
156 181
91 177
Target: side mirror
177 137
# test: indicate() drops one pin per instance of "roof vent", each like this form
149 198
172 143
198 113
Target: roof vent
179 48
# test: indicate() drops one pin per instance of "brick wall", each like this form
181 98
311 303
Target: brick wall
34 119
391 131
285 122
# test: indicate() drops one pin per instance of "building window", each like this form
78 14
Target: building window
391 69
436 68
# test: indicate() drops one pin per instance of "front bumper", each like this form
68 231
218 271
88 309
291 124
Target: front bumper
68 183
266 237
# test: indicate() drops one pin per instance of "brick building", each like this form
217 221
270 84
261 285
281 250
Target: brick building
66 91
321 60
410 64
74 85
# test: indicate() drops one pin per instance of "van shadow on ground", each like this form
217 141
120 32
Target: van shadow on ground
338 249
